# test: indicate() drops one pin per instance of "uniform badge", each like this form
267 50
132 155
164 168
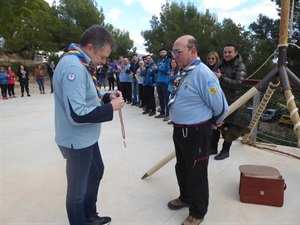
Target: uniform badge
212 90
71 77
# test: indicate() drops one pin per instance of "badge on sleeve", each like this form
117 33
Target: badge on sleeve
71 77
212 87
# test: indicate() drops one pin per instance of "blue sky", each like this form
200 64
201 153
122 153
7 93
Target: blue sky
134 15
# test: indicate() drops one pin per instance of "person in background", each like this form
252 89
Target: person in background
80 108
3 83
231 72
212 60
172 75
111 77
23 75
101 75
50 70
11 82
134 83
149 85
125 81
162 68
198 105
140 78
40 74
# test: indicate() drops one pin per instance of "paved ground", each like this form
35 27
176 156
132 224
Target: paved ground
33 183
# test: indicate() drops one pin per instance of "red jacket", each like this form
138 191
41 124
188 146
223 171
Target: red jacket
11 77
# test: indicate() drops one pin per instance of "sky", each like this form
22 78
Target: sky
134 15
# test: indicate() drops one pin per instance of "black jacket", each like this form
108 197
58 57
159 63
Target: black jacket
233 76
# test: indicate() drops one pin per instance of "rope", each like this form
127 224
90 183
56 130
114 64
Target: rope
279 45
122 127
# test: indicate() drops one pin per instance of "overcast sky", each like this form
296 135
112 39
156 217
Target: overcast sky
134 15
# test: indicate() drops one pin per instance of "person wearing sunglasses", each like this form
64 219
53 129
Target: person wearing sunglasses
212 59
231 72
197 105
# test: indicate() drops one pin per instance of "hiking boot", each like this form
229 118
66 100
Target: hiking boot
105 220
192 221
176 204
222 155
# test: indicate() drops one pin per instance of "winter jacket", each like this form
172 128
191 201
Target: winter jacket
233 76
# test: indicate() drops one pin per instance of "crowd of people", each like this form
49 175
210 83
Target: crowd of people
8 79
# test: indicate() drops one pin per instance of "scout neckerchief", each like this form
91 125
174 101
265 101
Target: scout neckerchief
73 51
182 73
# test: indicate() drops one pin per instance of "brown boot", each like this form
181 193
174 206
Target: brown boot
192 221
176 204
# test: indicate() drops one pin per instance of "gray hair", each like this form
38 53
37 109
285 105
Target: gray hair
98 36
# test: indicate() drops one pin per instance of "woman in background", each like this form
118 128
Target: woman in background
40 73
11 82
212 59
23 75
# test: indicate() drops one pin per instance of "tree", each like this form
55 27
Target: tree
76 16
176 20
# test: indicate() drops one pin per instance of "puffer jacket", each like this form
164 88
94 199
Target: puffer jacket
233 76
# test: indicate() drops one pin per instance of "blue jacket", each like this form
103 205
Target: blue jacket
163 68
149 75
3 78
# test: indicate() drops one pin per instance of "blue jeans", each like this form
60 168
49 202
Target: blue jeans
84 172
40 82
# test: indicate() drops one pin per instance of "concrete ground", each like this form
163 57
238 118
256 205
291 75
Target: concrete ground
33 181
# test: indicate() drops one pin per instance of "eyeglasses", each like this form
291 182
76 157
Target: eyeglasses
177 52
211 58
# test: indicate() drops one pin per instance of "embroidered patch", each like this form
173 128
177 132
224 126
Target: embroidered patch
212 90
71 77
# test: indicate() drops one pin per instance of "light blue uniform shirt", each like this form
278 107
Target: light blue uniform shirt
78 111
199 98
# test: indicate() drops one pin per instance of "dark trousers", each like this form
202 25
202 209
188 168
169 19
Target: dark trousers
11 89
149 98
3 90
141 95
163 96
24 85
216 136
126 90
51 79
111 83
84 172
192 146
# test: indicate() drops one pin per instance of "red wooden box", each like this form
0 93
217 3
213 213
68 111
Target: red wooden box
261 185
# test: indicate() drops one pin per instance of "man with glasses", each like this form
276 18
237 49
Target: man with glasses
231 72
197 105
80 109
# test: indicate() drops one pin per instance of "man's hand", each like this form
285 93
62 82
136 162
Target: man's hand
215 127
117 100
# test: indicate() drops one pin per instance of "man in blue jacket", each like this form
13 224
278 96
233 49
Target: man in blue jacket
162 67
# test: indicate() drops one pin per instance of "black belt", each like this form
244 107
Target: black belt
189 125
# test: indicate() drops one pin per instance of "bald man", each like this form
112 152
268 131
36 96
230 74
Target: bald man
197 105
